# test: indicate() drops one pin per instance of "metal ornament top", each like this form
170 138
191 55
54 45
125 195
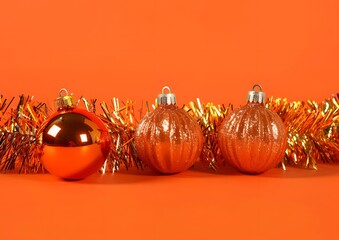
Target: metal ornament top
64 101
166 98
256 97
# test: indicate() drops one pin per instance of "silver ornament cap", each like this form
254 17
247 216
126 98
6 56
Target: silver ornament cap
256 97
64 101
166 98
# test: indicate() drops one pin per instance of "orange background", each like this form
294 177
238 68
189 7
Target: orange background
215 50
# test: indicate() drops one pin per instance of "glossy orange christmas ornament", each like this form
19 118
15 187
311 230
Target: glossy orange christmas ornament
75 141
253 138
168 139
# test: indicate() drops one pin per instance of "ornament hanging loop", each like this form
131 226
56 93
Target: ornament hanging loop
168 89
166 98
64 101
256 97
257 85
63 90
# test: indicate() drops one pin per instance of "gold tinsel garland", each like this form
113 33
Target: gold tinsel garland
312 132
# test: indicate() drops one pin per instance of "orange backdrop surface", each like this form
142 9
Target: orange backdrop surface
215 50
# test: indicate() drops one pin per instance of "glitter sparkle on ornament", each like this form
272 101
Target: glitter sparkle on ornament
168 140
253 139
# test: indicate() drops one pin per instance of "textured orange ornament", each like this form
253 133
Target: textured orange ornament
75 142
168 139
253 138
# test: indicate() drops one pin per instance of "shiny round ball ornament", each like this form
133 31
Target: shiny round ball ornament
75 142
253 139
168 140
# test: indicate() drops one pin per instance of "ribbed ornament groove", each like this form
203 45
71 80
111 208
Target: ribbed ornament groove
168 139
253 139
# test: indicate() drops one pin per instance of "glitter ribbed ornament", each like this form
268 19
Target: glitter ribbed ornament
75 142
253 139
168 139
